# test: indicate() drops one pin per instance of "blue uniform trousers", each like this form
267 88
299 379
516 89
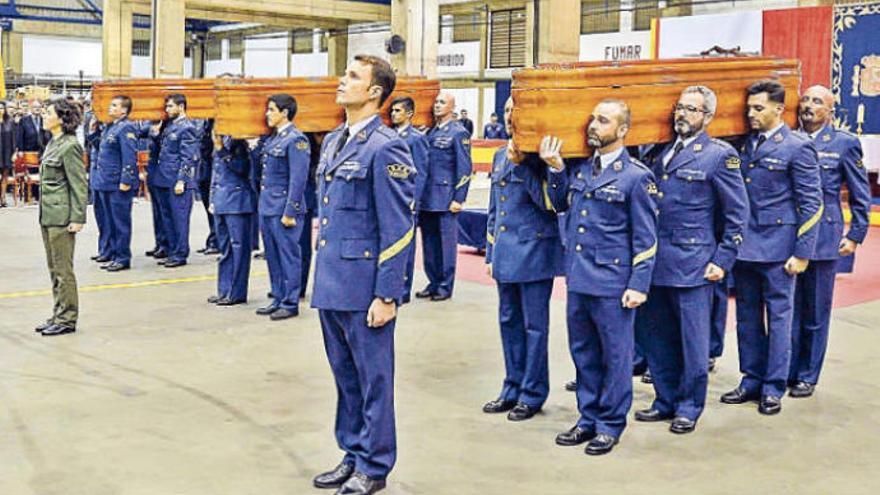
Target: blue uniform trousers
284 260
305 247
673 327
175 210
205 195
161 242
812 317
600 337
439 249
105 248
362 360
763 290
719 318
116 210
410 266
524 317
234 243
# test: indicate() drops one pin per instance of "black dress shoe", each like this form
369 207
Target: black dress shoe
499 406
162 262
116 267
360 484
267 310
283 314
160 255
575 436
174 263
229 302
600 445
214 299
651 415
44 326
95 257
105 266
58 329
151 252
647 377
101 259
335 477
738 396
210 251
571 386
424 293
201 251
440 297
801 389
522 412
682 425
770 405
711 364
259 255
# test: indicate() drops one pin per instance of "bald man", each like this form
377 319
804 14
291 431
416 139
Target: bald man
446 187
840 160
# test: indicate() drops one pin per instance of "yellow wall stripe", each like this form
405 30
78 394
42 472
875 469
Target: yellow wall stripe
645 255
812 221
398 246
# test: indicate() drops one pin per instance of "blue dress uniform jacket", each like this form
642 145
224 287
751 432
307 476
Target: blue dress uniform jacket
117 147
840 160
366 229
525 251
701 197
494 131
782 179
285 157
179 154
523 243
449 167
418 147
611 245
785 205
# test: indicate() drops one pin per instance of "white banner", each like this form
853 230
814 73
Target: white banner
688 36
456 58
613 47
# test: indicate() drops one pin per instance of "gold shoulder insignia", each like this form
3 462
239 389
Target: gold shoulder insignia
400 171
465 142
131 135
302 145
651 188
733 163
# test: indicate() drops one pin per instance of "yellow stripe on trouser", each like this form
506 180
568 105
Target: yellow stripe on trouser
812 221
397 247
645 255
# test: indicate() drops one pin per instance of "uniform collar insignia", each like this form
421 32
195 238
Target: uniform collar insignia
618 166
826 138
777 138
698 147
362 135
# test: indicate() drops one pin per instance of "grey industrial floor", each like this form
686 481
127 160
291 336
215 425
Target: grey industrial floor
159 393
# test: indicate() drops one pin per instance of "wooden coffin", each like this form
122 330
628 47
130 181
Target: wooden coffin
148 97
559 99
241 103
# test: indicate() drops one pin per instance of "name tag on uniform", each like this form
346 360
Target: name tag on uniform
823 154
350 166
442 142
772 160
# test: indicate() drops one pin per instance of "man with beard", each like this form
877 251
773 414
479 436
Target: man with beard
840 160
523 254
449 174
700 182
611 241
785 206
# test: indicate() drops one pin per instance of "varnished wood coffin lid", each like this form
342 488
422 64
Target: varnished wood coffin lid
558 99
148 97
241 103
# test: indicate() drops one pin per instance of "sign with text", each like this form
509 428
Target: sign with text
615 47
455 58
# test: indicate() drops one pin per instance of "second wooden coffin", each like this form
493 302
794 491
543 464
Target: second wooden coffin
148 97
559 99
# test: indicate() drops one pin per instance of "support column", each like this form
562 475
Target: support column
116 34
337 52
417 22
559 31
13 51
198 59
168 40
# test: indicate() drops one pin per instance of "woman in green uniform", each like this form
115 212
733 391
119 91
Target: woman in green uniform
63 199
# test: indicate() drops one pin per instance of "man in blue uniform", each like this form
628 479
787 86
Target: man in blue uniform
840 161
524 254
233 203
402 111
179 155
365 185
311 200
146 129
611 242
785 207
93 139
203 179
115 182
449 174
285 157
699 183
494 129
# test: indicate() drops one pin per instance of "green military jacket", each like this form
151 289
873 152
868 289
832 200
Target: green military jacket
64 189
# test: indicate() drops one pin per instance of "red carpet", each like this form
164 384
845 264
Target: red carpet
853 288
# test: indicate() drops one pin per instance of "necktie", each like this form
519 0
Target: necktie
341 143
597 166
761 140
675 151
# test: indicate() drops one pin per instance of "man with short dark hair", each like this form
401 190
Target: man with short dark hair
115 182
785 204
467 123
285 166
365 186
203 181
494 129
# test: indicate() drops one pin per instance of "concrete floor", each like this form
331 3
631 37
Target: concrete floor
160 394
